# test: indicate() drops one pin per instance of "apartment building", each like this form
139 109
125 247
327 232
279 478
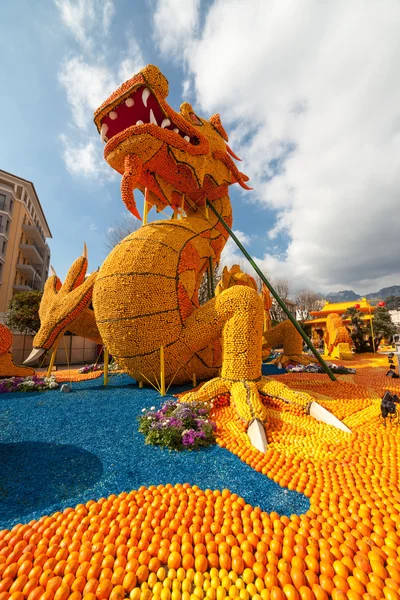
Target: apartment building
24 253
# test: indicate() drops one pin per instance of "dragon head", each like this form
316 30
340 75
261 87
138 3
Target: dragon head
178 157
61 305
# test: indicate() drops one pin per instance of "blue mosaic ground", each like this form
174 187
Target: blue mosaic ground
57 450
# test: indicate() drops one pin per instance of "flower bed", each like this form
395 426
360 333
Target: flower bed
98 367
314 368
178 426
28 384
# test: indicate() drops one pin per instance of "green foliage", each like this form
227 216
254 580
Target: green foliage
382 324
23 312
393 303
360 332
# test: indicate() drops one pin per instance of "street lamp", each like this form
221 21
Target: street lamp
380 303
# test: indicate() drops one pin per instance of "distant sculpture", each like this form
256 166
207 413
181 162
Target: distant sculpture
7 366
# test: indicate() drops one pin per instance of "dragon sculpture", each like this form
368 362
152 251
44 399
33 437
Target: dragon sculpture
337 339
145 295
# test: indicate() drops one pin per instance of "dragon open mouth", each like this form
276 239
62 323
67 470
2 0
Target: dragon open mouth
139 108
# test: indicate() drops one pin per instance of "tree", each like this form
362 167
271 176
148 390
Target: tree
393 303
360 333
119 231
282 287
204 291
383 325
23 312
307 301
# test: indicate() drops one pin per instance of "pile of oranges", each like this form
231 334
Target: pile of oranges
74 375
182 543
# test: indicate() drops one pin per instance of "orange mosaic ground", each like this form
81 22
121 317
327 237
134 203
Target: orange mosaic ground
179 542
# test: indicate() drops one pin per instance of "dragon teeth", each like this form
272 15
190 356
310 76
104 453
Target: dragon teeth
165 123
129 102
113 115
103 131
152 118
186 138
145 96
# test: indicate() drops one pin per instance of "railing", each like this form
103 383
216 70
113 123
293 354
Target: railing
36 268
35 285
29 223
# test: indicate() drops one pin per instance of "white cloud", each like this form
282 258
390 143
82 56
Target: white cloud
86 87
87 84
85 159
312 91
231 255
175 22
85 18
88 80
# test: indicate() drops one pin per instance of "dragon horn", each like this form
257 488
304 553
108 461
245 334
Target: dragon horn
85 252
231 152
133 169
243 185
53 271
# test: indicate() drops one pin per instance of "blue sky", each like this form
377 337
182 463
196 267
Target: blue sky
309 96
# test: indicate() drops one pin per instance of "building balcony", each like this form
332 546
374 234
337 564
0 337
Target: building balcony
5 207
30 271
32 252
29 287
3 231
33 233
22 288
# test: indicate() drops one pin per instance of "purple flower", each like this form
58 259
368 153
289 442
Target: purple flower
173 422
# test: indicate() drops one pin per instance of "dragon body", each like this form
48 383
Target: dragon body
145 295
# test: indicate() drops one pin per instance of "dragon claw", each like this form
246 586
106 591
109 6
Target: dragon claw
247 402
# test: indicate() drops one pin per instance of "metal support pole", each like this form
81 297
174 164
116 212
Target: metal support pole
208 285
145 207
106 361
372 329
274 293
162 371
52 359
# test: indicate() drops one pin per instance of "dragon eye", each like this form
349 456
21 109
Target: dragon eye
195 119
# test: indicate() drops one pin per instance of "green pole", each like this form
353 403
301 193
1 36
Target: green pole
208 285
274 293
211 276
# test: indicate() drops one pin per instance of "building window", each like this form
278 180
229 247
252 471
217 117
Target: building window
11 205
7 225
3 249
1 271
2 201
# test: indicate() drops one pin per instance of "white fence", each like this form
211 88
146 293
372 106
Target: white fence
72 349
